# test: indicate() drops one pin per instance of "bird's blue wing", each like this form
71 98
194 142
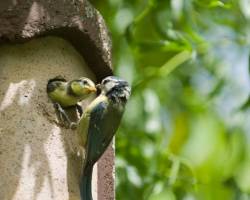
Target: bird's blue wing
104 122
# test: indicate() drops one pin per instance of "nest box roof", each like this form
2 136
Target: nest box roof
74 20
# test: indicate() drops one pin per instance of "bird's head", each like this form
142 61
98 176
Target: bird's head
82 86
115 87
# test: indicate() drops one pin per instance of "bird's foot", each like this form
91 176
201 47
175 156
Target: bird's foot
73 125
64 117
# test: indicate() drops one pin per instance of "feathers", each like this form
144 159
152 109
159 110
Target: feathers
55 83
69 93
57 78
99 124
103 122
86 184
66 94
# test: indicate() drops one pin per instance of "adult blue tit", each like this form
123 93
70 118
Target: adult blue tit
65 94
99 124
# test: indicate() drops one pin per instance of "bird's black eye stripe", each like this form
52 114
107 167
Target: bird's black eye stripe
85 82
106 81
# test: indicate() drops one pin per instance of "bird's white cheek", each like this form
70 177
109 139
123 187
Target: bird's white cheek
109 86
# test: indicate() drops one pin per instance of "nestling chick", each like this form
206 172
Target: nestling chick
65 94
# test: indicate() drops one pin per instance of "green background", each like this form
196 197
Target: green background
185 134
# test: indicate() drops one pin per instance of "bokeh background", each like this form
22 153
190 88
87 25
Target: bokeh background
186 130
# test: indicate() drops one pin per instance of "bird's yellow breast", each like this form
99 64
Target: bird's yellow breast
60 96
83 124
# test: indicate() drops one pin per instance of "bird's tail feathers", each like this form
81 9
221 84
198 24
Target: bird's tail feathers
86 184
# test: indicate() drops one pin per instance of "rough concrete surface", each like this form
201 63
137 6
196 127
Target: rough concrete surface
74 20
37 156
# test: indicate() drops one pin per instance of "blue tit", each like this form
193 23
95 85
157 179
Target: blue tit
65 94
98 125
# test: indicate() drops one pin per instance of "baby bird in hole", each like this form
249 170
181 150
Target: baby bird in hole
65 94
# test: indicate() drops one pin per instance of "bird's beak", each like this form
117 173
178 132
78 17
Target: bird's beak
92 89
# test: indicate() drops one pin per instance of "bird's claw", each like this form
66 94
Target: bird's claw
73 125
64 117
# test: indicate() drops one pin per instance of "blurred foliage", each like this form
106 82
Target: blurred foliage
185 133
